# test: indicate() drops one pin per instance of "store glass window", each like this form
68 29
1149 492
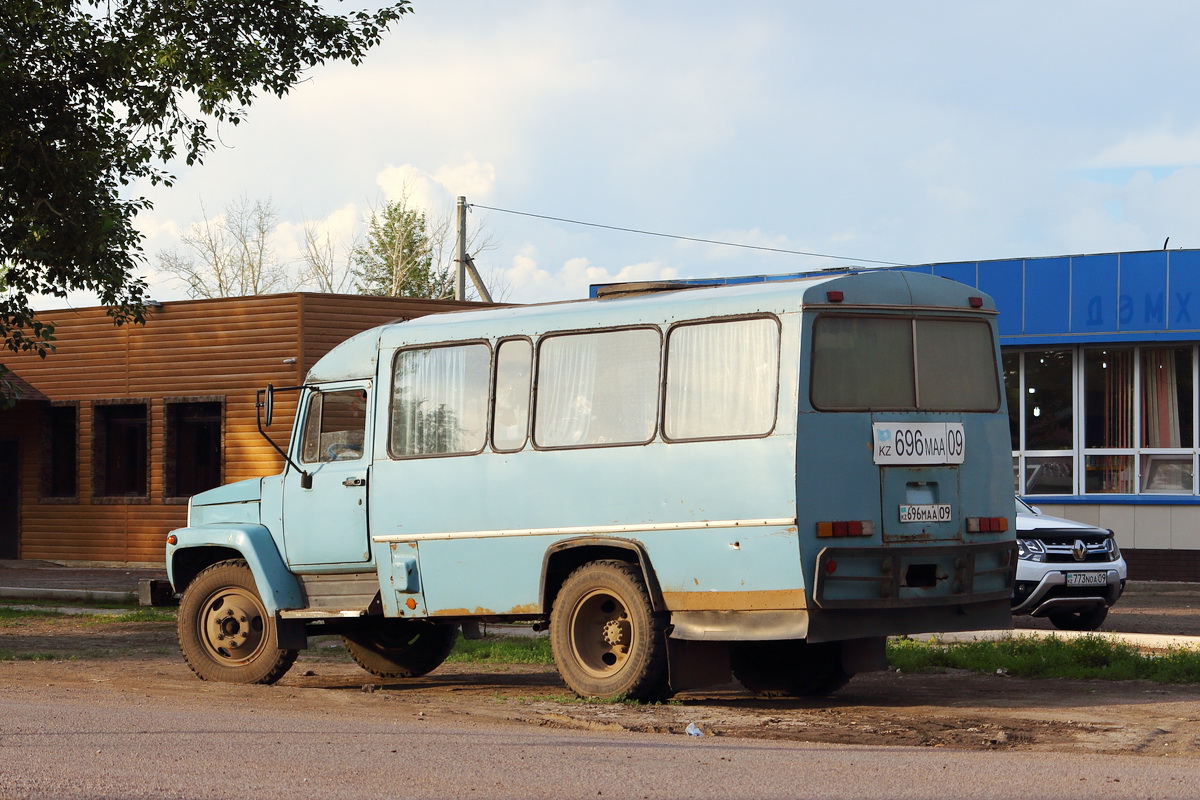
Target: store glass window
1167 412
1108 397
1049 400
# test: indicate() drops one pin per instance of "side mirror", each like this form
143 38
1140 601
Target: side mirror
269 405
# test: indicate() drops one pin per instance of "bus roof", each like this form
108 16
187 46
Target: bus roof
356 357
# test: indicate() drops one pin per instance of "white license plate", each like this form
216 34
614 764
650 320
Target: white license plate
1087 578
939 512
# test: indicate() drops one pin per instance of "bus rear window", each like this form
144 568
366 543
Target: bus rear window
899 363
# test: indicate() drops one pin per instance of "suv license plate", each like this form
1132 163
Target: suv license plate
939 512
1087 578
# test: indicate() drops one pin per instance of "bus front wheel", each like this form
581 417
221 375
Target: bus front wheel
224 629
401 648
789 668
606 639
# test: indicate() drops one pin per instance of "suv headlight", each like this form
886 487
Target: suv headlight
1114 552
1030 550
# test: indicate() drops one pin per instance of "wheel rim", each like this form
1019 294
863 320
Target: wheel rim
602 633
232 626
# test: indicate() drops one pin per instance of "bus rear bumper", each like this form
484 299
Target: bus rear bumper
821 625
832 626
882 578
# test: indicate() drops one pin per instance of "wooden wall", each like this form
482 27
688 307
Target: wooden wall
199 350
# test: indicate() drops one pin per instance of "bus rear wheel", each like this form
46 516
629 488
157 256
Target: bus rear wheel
401 648
225 632
606 639
789 668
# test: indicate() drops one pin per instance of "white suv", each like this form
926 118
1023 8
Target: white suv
1067 571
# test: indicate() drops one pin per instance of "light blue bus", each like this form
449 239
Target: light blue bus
765 479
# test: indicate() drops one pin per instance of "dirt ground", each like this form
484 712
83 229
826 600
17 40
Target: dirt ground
957 709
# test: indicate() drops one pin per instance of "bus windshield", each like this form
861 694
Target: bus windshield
903 364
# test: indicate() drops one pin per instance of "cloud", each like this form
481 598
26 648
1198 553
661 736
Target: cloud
532 283
436 191
1160 147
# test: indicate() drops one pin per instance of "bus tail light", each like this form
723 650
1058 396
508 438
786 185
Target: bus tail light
987 524
837 530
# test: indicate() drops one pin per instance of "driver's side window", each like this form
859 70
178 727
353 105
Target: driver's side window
336 426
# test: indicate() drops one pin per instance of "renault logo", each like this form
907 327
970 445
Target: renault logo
1079 550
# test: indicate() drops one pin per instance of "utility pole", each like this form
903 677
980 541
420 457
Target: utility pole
460 252
463 259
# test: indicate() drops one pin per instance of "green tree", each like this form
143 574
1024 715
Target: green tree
98 94
400 257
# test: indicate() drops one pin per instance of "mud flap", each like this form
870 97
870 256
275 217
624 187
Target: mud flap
864 655
693 664
291 634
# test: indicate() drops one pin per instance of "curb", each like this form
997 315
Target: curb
85 595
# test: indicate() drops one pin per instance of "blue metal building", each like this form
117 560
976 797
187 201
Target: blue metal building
1103 378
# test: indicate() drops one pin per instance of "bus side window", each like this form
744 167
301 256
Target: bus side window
440 400
510 417
597 388
722 379
336 426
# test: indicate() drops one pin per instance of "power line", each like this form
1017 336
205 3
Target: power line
685 238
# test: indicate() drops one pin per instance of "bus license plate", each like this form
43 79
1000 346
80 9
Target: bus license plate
939 512
1086 579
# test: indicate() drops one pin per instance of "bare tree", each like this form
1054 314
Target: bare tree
231 255
326 266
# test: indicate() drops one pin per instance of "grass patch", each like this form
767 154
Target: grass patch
139 614
119 614
502 650
9 614
1082 658
12 655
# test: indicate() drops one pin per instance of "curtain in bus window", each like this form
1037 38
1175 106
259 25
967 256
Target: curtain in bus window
439 400
862 362
722 379
510 419
956 366
597 388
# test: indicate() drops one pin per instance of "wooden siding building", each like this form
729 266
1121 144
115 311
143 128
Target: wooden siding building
119 426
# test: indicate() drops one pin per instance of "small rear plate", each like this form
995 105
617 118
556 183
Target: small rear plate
1087 578
937 512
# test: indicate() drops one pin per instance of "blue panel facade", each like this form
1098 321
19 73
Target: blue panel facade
1142 278
1094 295
1047 296
1005 282
1184 290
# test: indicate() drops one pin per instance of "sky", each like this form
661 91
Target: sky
893 132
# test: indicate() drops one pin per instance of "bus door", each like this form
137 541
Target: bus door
919 479
327 523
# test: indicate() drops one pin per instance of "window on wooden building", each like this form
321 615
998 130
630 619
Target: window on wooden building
61 451
193 457
121 449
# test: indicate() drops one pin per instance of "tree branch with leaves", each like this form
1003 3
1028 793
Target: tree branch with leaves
98 94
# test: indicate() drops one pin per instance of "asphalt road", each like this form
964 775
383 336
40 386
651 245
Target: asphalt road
72 742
